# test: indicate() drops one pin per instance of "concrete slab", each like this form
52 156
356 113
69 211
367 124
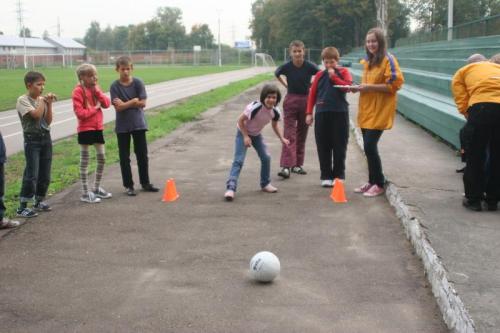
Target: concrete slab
138 264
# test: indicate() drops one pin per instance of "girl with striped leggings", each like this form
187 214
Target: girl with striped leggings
88 101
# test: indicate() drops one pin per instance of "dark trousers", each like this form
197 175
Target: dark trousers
295 130
331 130
2 190
370 143
484 120
36 177
141 154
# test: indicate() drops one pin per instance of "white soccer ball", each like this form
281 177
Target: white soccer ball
264 266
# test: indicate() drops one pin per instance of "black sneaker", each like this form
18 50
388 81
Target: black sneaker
131 192
41 207
26 212
149 188
492 206
284 173
299 170
472 205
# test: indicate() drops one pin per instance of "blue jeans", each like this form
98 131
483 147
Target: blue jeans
36 177
240 152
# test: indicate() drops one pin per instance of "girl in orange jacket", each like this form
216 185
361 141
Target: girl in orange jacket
381 80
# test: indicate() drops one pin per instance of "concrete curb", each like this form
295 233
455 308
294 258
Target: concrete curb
455 315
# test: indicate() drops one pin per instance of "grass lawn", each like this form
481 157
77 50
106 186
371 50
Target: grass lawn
66 152
61 81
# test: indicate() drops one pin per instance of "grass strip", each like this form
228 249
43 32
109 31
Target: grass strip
61 81
162 121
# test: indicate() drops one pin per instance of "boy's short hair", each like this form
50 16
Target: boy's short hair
330 53
123 61
85 69
495 59
32 77
296 43
270 89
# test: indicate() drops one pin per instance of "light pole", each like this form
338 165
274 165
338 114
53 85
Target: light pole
220 52
450 19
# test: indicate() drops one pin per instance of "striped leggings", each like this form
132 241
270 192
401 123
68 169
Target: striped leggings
84 165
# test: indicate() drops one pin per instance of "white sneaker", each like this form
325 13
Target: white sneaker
229 195
90 197
269 188
327 183
102 193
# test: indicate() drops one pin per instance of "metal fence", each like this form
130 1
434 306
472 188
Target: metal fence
487 26
241 57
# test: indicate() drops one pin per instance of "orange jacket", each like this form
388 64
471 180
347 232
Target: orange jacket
377 110
476 83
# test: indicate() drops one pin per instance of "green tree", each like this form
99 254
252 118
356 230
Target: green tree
120 38
201 35
137 37
90 38
105 39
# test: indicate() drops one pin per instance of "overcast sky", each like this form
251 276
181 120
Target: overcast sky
75 16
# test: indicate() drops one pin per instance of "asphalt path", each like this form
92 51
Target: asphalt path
64 123
137 264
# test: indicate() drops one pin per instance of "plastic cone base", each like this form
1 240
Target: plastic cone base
338 192
170 193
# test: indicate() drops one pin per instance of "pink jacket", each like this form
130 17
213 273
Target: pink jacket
89 117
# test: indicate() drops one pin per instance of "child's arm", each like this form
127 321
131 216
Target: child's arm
49 99
283 82
340 76
121 105
276 130
35 113
103 100
242 125
311 99
81 111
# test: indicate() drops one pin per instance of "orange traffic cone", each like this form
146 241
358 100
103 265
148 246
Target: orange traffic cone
338 193
170 192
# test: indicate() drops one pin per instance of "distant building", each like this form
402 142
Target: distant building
53 51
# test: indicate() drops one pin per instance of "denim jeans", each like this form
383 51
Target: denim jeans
370 142
141 154
240 151
2 190
36 177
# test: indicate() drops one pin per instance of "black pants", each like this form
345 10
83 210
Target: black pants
331 130
36 177
141 154
2 190
370 143
484 120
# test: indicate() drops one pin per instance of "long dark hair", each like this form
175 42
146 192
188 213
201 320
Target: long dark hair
270 89
375 59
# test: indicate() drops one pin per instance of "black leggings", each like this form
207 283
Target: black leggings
370 142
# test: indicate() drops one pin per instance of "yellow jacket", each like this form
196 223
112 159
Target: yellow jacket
378 109
476 83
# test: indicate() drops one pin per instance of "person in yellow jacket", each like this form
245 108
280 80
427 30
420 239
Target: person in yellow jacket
382 78
476 90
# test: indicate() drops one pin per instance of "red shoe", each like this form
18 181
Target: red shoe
374 191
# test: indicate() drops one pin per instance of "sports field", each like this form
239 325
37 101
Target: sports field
61 81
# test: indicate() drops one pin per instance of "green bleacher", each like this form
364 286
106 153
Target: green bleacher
428 69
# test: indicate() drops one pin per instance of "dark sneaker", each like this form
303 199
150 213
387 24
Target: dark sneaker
472 205
131 192
299 170
284 173
90 197
102 193
5 223
492 206
26 212
41 207
149 188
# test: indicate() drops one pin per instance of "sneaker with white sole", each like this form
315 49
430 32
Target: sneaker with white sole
6 223
90 197
229 195
41 206
102 193
374 191
284 173
26 212
327 183
269 189
363 188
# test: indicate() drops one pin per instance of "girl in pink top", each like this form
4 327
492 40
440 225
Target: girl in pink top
250 124
88 99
